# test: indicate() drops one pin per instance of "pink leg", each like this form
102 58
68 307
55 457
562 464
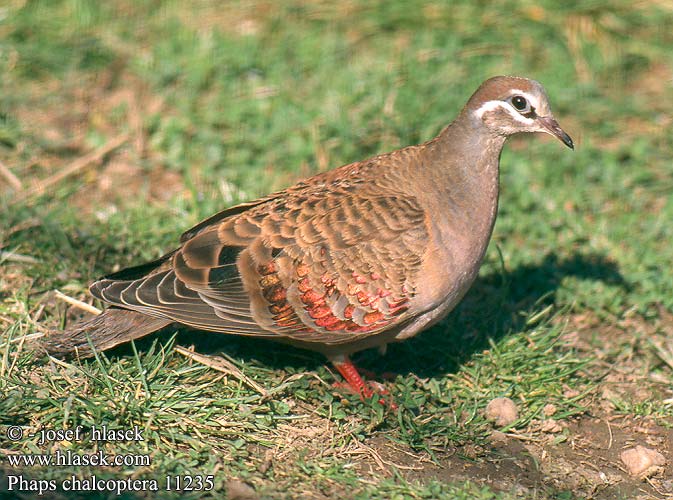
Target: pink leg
355 383
353 378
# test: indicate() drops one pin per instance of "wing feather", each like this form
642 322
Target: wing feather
328 262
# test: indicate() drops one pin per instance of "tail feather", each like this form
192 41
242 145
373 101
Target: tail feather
111 328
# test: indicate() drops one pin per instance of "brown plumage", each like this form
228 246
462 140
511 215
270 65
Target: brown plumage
365 254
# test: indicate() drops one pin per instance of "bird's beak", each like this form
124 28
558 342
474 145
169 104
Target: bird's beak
552 127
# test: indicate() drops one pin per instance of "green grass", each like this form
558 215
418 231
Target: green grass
233 101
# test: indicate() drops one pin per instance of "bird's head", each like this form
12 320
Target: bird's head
508 105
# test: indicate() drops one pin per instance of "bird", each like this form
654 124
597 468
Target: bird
357 257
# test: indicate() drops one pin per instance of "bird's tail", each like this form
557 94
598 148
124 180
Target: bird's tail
108 329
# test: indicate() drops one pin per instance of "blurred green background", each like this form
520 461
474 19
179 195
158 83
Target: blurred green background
241 98
219 102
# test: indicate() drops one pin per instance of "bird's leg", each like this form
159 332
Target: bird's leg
353 378
355 383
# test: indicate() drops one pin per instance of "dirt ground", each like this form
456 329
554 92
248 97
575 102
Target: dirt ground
587 462
580 456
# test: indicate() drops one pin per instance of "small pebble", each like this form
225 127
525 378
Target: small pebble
551 425
549 410
502 411
642 462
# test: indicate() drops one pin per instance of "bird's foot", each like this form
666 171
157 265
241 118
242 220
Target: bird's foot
355 384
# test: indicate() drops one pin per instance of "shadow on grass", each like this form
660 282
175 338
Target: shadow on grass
497 303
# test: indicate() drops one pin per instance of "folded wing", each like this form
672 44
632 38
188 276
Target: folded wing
326 263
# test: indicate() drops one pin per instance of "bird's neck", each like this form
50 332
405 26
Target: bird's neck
465 160
463 173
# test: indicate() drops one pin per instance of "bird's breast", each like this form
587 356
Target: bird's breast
461 224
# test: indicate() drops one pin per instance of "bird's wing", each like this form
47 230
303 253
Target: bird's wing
328 263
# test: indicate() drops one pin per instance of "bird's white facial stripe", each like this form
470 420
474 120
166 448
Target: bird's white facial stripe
493 105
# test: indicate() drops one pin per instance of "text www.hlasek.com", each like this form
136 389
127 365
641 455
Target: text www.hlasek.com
68 458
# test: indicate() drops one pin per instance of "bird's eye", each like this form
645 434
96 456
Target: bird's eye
519 102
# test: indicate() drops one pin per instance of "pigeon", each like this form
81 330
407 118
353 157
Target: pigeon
369 253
